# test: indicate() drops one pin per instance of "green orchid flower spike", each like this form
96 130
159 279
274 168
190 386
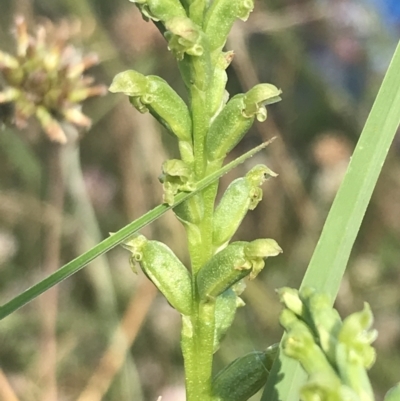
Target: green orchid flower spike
206 128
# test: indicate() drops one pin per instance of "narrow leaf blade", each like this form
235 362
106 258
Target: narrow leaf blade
81 261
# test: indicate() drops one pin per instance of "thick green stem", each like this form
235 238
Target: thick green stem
197 346
198 330
200 122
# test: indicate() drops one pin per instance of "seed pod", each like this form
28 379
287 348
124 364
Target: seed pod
233 263
242 378
220 18
160 10
225 310
242 194
237 117
165 270
153 94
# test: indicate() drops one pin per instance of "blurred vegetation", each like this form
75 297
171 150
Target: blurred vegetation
329 58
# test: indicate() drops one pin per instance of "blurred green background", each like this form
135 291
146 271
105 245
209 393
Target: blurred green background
105 334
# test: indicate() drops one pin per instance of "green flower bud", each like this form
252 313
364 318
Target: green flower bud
9 94
8 61
356 335
218 96
256 99
353 373
190 211
321 387
290 298
243 377
242 194
225 310
153 94
184 36
220 18
190 46
176 176
227 129
196 9
300 345
237 117
233 263
165 270
160 10
324 320
393 394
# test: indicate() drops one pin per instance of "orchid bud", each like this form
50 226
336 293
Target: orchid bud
165 270
220 18
242 195
218 96
290 298
237 117
225 310
324 320
301 345
353 373
236 261
356 335
160 10
176 176
154 94
191 48
184 37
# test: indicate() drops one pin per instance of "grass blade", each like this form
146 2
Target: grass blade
331 255
81 261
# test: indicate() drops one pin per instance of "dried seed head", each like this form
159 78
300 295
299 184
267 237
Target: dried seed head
44 79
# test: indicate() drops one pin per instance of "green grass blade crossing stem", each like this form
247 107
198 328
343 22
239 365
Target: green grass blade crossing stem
81 261
332 253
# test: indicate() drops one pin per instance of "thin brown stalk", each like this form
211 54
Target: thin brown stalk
51 261
6 391
124 336
288 174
